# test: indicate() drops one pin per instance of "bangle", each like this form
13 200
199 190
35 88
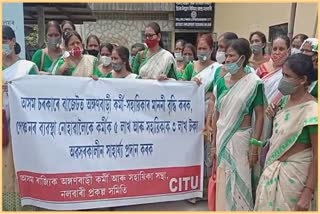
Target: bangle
255 142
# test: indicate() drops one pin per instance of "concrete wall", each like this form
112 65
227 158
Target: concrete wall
244 18
123 32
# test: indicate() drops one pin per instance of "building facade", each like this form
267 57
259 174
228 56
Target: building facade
124 23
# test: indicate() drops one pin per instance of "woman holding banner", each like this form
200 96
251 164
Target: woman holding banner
154 62
12 68
234 138
290 175
73 62
202 72
120 64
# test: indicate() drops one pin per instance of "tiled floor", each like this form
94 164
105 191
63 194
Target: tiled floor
167 206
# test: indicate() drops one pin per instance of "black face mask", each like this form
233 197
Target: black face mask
93 52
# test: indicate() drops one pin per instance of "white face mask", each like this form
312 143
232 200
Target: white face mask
105 60
295 51
220 56
178 56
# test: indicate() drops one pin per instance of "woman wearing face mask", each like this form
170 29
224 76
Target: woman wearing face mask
258 43
105 59
12 68
93 45
189 54
239 95
223 41
155 62
271 71
290 174
310 48
178 55
297 42
203 69
46 58
202 72
73 62
120 64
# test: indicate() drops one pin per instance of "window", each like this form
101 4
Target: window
276 30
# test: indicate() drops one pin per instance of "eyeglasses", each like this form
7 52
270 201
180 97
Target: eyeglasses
150 36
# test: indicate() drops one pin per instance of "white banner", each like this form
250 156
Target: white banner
81 144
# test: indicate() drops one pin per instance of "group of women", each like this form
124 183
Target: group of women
261 110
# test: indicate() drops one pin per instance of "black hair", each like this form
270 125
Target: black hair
94 37
227 37
108 46
301 65
124 54
181 41
263 39
283 37
139 46
8 32
242 47
155 26
192 48
54 24
69 35
300 36
64 22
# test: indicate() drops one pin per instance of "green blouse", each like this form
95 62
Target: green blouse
96 71
314 91
189 73
222 88
304 137
217 76
47 62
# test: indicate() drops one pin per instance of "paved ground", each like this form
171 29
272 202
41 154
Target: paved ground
167 206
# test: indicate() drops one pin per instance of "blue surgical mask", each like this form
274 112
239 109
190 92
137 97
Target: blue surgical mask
233 67
6 49
116 66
